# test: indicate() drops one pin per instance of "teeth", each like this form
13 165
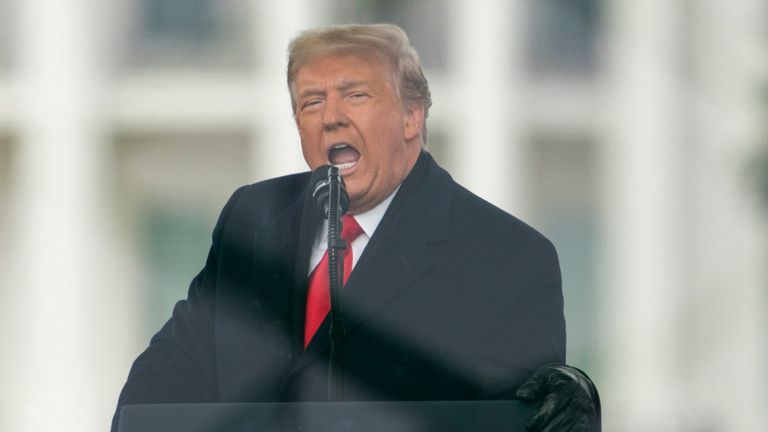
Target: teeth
344 166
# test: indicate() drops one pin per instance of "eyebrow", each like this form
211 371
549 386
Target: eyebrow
311 92
348 84
344 85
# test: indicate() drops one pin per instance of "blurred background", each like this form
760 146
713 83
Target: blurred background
632 133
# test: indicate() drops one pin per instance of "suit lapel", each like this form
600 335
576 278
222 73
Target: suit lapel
320 343
274 265
282 267
254 331
308 225
406 244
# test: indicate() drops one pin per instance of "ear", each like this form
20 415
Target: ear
414 120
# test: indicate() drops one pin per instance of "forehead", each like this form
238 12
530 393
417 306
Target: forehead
328 67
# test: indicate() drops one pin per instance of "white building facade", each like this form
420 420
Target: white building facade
623 130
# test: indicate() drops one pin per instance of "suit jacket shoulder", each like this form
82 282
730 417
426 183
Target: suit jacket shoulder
506 235
452 299
260 202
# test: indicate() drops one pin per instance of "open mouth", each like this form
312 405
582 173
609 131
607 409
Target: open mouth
343 156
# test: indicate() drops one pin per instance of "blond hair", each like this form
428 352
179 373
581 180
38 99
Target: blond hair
386 39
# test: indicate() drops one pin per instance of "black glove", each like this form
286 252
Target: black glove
570 400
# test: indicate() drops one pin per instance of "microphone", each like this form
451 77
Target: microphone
323 178
331 200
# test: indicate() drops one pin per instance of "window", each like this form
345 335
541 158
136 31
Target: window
197 33
6 148
425 22
564 36
563 199
7 33
171 190
439 145
6 163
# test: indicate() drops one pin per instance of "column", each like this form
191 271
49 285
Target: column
641 260
58 243
726 366
276 145
487 62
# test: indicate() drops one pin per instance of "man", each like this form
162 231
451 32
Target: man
449 298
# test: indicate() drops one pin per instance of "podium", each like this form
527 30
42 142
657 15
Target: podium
432 416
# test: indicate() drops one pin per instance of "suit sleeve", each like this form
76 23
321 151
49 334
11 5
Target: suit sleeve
179 365
545 322
535 331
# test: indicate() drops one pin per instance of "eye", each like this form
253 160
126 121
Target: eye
310 103
357 95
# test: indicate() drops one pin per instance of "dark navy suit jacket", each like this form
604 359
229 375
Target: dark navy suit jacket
452 299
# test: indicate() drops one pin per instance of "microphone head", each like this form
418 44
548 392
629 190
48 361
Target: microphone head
321 180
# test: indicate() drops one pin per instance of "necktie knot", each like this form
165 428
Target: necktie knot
350 228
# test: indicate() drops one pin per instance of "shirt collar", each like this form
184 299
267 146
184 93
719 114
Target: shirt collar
368 221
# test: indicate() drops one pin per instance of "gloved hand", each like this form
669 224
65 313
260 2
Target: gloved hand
570 400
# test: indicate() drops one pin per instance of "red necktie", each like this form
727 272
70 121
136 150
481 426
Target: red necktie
319 296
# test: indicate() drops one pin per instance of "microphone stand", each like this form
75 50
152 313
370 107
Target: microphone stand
336 246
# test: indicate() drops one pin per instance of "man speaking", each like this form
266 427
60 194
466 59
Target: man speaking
445 296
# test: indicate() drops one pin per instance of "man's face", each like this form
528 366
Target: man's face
350 115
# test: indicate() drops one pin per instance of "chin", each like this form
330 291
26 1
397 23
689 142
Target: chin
354 200
354 192
354 203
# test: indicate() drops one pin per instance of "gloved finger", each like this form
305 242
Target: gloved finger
580 425
563 380
563 421
584 390
555 403
543 415
534 388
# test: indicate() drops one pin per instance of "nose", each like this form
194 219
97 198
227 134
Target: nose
334 116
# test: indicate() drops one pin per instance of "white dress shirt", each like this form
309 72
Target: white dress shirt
368 221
